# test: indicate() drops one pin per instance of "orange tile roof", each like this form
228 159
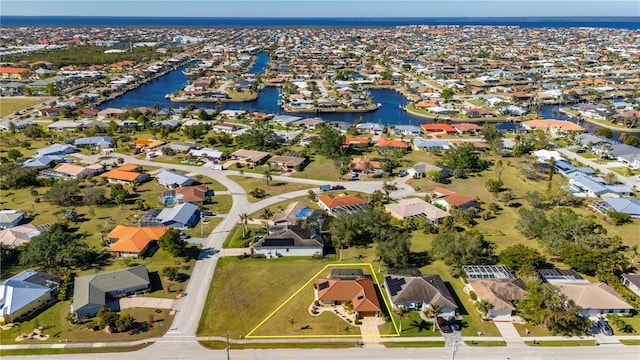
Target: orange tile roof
355 140
425 104
70 169
12 70
333 201
437 127
128 167
391 143
443 191
457 199
545 124
121 175
360 292
147 143
192 193
133 238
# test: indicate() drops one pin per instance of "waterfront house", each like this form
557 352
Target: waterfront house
406 130
289 240
412 208
419 293
93 292
556 128
23 294
477 112
437 128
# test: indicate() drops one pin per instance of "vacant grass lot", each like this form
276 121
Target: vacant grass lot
320 168
230 308
11 104
221 204
274 188
59 329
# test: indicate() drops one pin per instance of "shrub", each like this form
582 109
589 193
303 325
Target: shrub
473 295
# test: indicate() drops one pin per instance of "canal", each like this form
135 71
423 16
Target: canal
389 113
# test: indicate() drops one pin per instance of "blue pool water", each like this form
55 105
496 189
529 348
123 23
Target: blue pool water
169 201
302 213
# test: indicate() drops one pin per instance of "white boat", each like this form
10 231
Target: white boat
167 96
379 104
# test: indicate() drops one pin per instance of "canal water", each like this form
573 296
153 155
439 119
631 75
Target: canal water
389 113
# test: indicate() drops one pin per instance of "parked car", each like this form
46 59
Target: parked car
443 325
337 187
207 213
595 329
184 236
604 326
455 326
403 173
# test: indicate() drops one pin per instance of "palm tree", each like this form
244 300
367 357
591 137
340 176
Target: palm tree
388 188
266 213
367 167
402 313
433 311
267 176
244 220
484 306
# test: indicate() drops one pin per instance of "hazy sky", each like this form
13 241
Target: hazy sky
319 8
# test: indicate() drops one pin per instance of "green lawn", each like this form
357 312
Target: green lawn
279 207
203 230
235 239
236 279
10 104
59 329
534 330
414 344
221 204
274 188
221 345
563 343
320 168
86 350
486 343
630 342
413 325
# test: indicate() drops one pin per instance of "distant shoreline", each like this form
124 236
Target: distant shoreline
616 22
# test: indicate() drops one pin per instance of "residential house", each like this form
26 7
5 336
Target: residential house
406 130
73 171
91 293
391 144
62 125
448 199
250 157
28 291
15 236
11 218
147 144
56 149
632 282
420 169
630 207
419 293
196 195
13 73
569 171
477 112
594 298
126 174
288 162
360 292
370 127
595 187
359 165
626 154
182 146
359 141
556 128
170 179
430 145
181 216
334 204
544 156
298 211
133 241
437 128
289 240
208 154
500 293
101 142
412 208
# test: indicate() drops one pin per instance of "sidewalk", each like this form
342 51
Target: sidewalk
509 333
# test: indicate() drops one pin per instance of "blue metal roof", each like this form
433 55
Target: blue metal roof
16 293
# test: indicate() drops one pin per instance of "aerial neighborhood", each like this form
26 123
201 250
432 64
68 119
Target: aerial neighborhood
439 183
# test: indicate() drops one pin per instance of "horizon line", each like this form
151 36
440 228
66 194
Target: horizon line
334 17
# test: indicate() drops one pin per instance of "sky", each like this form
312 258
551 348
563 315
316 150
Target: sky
321 8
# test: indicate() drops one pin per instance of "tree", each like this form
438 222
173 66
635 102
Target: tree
493 186
119 194
433 311
125 323
618 218
516 256
463 157
267 176
71 214
493 136
435 175
604 132
402 314
632 140
394 247
60 246
447 94
329 141
552 170
258 193
532 222
14 154
610 178
170 272
266 213
259 137
94 196
459 248
244 220
17 177
64 193
172 242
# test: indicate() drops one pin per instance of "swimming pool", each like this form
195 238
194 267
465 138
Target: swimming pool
302 213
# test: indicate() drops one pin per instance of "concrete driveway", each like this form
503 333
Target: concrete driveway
146 302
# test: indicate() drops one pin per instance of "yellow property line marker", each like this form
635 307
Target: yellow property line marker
386 302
